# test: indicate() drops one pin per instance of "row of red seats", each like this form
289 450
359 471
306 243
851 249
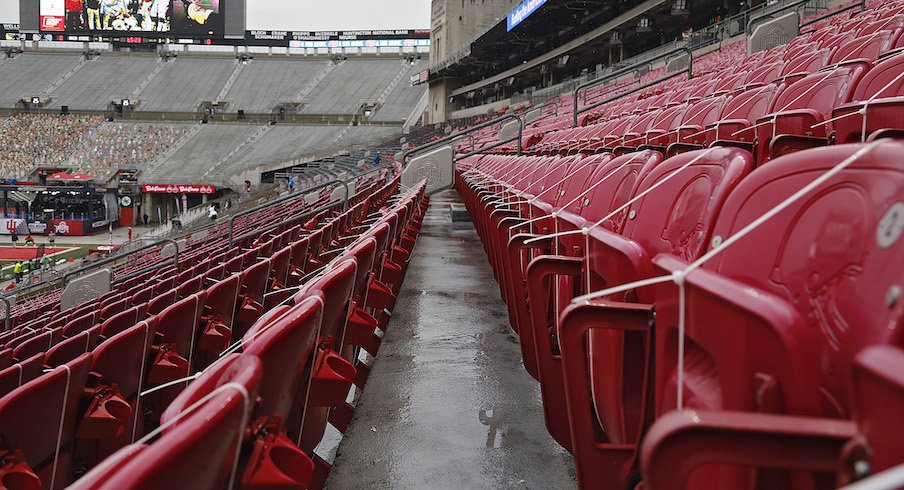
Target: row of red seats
748 101
45 306
211 302
795 318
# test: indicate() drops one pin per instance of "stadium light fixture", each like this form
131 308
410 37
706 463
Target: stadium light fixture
680 7
643 24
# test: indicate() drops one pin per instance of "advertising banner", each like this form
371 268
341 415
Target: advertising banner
178 189
53 15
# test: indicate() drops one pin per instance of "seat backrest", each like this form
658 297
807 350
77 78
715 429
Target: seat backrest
179 322
677 216
286 350
41 342
751 104
120 322
21 373
827 262
232 368
190 286
869 46
39 418
364 251
880 81
72 347
335 286
807 62
622 175
123 358
162 301
280 264
823 90
579 181
705 111
199 450
254 279
114 308
765 73
222 299
80 323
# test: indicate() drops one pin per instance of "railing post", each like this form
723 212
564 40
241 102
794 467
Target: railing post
6 321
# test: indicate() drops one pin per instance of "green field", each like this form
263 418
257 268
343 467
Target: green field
78 252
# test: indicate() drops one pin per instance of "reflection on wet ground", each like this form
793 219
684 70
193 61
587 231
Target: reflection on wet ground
448 403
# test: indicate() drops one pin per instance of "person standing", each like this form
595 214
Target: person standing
75 19
159 15
92 8
145 218
15 238
17 271
130 233
51 237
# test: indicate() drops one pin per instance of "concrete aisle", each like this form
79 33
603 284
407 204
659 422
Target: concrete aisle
448 403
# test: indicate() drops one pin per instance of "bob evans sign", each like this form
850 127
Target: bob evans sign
178 189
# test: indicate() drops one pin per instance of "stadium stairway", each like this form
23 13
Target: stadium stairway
448 403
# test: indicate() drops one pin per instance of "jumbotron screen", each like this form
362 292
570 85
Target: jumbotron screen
179 17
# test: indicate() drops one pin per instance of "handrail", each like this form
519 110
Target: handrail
301 216
300 194
458 134
113 258
861 4
292 196
771 14
543 106
6 325
638 89
614 76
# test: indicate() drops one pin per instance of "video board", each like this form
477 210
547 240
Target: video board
99 17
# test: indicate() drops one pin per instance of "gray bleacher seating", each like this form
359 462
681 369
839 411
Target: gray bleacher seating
102 80
185 82
351 84
30 74
263 83
404 97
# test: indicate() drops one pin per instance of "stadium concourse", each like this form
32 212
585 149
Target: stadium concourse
675 275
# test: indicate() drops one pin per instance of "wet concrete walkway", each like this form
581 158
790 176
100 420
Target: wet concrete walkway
448 403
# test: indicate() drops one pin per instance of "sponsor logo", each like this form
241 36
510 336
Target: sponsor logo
52 23
178 189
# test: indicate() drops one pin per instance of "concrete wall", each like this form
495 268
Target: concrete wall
455 23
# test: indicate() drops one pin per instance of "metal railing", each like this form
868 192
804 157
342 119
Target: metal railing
689 70
466 132
291 197
95 265
861 4
300 194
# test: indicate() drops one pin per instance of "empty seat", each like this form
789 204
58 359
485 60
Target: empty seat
764 311
38 422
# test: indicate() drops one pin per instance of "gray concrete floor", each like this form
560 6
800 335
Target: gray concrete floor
448 403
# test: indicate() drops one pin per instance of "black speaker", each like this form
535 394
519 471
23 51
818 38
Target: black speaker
64 110
205 118
241 114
